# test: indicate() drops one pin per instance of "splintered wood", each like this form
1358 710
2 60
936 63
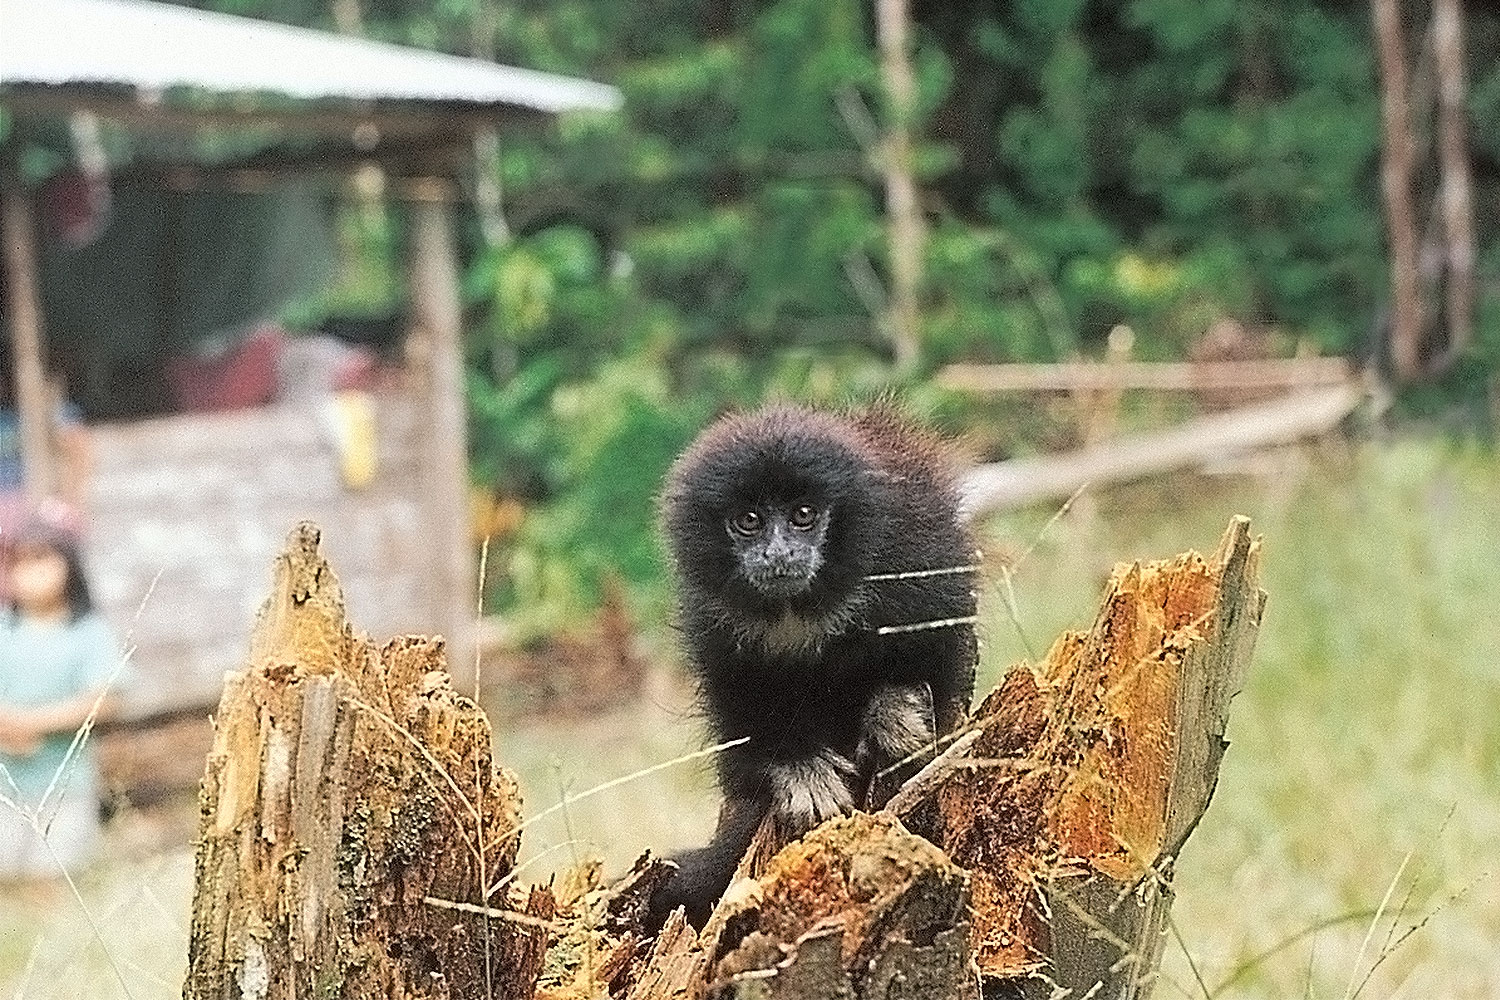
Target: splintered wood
349 802
356 840
1092 767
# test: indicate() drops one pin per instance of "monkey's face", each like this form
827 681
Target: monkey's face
776 513
779 547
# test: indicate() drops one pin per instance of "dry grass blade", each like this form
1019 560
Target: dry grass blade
513 916
925 626
627 778
515 872
1353 987
1260 958
1390 947
484 563
922 574
1192 965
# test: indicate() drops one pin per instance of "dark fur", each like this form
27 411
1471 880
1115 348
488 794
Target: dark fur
827 703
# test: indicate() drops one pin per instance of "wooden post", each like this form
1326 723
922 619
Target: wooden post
31 397
902 205
437 315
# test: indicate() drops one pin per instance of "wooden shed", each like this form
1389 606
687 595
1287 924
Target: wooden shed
186 510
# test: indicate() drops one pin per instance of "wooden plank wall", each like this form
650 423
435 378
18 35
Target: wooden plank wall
206 500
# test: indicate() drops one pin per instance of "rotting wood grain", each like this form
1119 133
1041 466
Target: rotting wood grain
859 908
1091 769
349 795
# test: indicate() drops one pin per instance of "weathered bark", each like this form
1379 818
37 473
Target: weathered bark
352 820
349 803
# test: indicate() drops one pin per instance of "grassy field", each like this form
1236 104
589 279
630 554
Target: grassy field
1365 761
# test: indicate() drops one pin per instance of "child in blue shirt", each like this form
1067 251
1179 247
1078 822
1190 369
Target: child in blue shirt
57 658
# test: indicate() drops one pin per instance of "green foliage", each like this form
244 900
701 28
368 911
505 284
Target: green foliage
1157 163
615 436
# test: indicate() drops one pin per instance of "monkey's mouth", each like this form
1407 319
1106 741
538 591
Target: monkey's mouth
781 584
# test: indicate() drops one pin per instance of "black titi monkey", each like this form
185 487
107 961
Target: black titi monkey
827 607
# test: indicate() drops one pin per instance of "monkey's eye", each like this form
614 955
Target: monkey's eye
803 517
747 522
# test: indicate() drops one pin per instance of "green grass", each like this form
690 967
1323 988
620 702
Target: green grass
1367 731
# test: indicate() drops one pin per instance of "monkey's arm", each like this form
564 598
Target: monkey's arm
703 873
799 758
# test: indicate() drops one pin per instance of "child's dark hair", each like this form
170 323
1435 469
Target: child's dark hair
38 532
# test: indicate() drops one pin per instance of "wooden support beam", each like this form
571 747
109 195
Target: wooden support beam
28 375
1173 376
437 345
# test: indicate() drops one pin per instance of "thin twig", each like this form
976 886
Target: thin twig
925 781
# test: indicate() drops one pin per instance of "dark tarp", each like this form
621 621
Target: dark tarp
172 272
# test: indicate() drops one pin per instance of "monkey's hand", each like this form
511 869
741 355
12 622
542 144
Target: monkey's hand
897 726
808 791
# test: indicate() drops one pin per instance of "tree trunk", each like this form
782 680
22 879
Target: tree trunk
351 821
1455 184
1396 170
901 203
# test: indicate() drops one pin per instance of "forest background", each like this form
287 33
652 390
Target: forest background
1158 164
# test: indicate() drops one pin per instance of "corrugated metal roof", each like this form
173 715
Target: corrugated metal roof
153 46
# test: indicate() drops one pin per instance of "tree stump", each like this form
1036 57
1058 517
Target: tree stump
1085 774
356 839
349 813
